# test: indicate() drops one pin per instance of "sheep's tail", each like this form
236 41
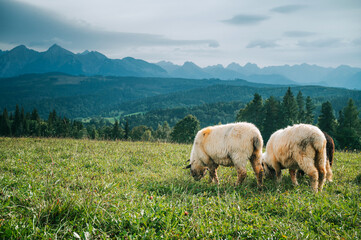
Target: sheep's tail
330 148
321 155
257 146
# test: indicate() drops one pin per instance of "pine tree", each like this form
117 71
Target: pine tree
289 109
126 129
301 107
272 117
16 125
35 115
327 120
253 112
117 132
310 107
185 130
349 130
5 125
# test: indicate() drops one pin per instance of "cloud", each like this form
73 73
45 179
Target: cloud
357 41
262 44
288 8
297 34
25 24
242 19
321 43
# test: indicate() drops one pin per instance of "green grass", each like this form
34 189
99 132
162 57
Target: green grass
65 189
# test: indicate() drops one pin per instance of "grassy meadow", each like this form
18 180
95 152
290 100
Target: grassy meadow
83 189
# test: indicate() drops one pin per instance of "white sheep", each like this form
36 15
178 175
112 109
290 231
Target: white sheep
227 145
300 146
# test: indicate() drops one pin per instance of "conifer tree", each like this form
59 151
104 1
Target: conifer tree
16 125
310 107
289 109
5 125
327 120
126 129
253 112
301 107
272 117
349 130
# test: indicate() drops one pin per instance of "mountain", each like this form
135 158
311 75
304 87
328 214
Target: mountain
190 70
21 60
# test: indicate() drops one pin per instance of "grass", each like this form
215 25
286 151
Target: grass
69 189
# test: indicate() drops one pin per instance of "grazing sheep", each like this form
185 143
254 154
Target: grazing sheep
227 145
300 146
330 149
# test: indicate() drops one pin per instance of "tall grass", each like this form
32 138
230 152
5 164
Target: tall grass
68 189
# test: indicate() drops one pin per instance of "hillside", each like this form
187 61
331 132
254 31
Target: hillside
83 96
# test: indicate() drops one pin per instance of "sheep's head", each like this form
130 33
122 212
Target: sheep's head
198 171
268 169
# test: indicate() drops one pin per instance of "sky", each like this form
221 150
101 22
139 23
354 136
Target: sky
207 32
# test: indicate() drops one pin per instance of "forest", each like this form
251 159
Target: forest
268 115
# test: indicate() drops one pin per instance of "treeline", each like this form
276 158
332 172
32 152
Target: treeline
268 115
272 114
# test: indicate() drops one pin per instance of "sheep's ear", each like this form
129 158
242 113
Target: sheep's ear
189 166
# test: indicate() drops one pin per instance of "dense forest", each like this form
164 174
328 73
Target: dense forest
84 96
268 115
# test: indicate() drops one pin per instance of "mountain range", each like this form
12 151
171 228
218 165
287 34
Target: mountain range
22 60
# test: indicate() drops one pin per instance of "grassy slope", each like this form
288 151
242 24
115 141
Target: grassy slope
51 188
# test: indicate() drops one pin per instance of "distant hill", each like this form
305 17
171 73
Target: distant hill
86 96
22 60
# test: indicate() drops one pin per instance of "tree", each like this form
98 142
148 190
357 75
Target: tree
272 117
5 126
327 120
185 130
35 115
349 130
289 109
310 107
138 131
301 107
163 131
117 132
16 127
126 130
253 112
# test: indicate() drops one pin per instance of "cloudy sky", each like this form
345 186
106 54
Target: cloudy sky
206 32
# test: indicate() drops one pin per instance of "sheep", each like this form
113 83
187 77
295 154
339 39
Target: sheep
330 149
300 146
227 145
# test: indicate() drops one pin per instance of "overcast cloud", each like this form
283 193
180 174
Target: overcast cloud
207 32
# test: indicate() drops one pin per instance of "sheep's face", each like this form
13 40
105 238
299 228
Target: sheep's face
197 171
268 169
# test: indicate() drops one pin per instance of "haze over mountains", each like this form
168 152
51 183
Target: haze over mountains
22 60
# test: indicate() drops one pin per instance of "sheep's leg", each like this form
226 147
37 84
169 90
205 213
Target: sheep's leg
321 177
329 171
240 162
213 177
258 169
293 176
313 174
241 175
278 171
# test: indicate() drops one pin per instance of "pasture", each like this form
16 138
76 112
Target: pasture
83 189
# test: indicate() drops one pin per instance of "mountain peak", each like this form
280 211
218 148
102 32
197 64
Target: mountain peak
56 49
85 52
